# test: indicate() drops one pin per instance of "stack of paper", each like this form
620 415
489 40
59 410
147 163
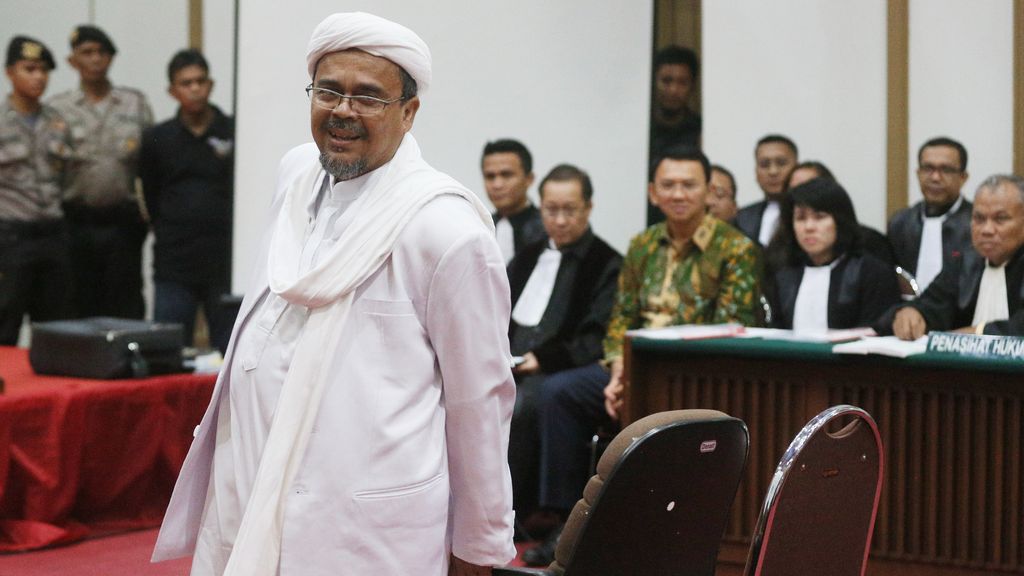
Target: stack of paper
884 345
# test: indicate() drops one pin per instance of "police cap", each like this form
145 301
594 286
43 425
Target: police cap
87 33
25 48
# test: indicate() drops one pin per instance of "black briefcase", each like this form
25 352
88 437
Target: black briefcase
105 348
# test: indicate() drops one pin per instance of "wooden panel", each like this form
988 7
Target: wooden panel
952 493
195 24
897 121
679 22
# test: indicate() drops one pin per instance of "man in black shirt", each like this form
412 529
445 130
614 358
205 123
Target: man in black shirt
187 174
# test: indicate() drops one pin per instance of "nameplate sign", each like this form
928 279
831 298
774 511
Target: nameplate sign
976 345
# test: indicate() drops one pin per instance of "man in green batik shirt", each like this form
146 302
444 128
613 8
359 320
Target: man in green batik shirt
690 269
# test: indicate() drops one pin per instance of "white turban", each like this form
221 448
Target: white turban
373 35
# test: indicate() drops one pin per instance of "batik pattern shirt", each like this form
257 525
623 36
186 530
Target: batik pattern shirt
713 279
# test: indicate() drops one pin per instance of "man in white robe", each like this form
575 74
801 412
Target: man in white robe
360 425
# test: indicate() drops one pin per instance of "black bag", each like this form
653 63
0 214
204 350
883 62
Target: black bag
105 348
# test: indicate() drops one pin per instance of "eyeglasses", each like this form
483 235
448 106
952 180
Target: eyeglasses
941 170
361 105
569 212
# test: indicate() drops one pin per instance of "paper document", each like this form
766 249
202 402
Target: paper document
827 336
689 332
884 345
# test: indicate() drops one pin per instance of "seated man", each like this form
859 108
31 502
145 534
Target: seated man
980 291
562 294
690 269
722 194
776 155
928 234
507 167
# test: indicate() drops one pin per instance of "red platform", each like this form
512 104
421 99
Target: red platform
82 457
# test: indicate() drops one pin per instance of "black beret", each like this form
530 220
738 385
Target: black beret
25 48
86 33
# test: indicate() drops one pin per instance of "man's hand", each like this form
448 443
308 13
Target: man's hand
909 324
529 366
459 567
614 390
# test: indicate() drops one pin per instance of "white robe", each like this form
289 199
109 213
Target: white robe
407 461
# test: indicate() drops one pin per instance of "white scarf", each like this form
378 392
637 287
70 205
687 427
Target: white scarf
810 313
992 301
536 294
380 215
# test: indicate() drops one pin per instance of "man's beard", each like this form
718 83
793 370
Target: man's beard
339 169
342 170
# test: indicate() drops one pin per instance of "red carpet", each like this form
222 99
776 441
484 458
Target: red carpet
121 555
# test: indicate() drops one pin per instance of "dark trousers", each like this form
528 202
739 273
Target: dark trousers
107 263
35 277
571 410
524 445
178 302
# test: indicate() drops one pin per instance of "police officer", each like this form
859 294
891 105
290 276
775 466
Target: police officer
35 274
100 203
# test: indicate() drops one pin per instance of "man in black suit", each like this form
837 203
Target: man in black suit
776 156
562 289
928 234
507 168
980 291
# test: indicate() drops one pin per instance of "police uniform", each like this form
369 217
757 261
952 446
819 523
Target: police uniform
100 203
35 276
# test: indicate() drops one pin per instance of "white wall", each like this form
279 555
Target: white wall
816 71
219 50
568 78
961 83
143 51
811 70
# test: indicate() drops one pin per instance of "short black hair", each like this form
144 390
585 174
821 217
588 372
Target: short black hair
820 170
184 59
728 174
945 141
409 86
509 145
677 55
681 152
777 139
566 172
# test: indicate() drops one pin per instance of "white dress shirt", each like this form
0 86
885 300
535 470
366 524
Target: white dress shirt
929 258
769 222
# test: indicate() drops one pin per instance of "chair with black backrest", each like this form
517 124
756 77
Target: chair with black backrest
659 501
819 512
